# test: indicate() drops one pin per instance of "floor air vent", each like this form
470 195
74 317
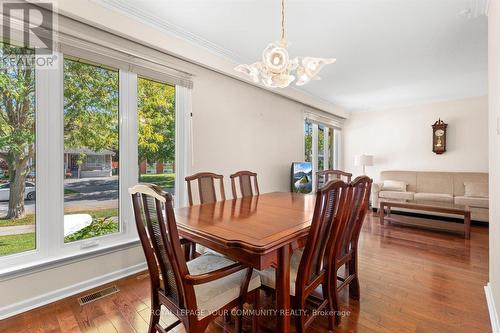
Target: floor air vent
98 295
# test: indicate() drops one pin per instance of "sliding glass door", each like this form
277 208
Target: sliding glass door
322 146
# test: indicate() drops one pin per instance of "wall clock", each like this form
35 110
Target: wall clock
439 137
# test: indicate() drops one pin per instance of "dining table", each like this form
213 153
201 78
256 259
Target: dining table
259 231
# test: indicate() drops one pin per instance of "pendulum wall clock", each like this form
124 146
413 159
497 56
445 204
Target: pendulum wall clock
439 137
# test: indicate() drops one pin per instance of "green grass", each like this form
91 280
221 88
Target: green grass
70 191
164 180
102 224
17 243
28 219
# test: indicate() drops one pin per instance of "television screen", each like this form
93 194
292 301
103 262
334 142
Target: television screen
302 179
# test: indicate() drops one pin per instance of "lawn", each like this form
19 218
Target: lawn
17 243
28 219
164 180
103 223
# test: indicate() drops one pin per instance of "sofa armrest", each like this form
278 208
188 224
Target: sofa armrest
376 187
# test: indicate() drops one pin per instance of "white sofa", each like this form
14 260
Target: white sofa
435 188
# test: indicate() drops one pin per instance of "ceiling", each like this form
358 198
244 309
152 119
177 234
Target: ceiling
390 53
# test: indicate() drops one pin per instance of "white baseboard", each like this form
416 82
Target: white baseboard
14 309
495 324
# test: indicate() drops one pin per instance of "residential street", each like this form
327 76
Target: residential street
94 193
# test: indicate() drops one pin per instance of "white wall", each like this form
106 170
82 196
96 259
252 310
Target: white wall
401 139
493 292
240 127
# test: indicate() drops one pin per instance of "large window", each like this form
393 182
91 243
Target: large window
322 145
17 151
91 150
76 135
156 133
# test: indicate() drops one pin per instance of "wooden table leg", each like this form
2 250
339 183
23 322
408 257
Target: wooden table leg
467 219
283 289
381 213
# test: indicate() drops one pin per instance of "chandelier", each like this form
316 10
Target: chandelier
277 70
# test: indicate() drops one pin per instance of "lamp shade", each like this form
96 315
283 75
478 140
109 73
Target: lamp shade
363 160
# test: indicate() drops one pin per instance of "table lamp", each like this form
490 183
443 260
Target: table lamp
363 160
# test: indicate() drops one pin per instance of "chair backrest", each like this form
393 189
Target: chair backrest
328 217
322 177
359 194
206 187
157 228
245 180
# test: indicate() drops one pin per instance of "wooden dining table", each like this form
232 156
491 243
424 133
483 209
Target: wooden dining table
260 231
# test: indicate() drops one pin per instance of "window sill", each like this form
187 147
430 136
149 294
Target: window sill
42 265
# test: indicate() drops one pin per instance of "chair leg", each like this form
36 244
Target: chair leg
155 313
239 319
300 320
353 269
256 309
333 298
326 295
193 250
187 251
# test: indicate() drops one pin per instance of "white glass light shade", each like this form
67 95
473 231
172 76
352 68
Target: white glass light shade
277 70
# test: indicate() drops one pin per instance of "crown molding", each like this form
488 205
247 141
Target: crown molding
146 18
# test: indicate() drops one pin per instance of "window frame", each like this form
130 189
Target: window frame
49 207
331 154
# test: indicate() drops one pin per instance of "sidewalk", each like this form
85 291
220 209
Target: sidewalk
17 229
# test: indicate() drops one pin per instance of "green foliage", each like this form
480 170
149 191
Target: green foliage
156 116
17 108
99 227
164 180
308 141
90 106
17 243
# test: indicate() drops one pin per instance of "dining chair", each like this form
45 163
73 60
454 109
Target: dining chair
322 177
206 187
245 180
359 194
196 292
206 194
310 275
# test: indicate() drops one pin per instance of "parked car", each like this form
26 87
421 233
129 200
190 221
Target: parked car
29 192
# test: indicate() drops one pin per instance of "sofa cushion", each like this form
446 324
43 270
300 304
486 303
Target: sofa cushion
472 201
396 195
476 189
394 185
438 197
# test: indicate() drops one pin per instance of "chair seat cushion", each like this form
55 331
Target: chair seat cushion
396 195
212 296
439 197
268 276
472 201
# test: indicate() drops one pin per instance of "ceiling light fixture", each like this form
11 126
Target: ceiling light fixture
277 70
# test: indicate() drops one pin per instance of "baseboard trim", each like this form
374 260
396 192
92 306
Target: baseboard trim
26 305
495 324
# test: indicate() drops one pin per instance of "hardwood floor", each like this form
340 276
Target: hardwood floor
412 280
